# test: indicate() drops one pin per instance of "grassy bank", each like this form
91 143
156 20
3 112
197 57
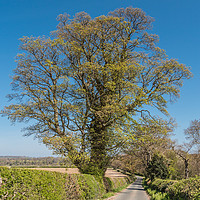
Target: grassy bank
114 191
37 184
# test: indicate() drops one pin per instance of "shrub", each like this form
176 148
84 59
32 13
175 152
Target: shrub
171 189
186 188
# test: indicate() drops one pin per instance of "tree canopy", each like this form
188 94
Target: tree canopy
149 136
193 133
83 86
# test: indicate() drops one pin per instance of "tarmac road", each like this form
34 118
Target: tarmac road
134 191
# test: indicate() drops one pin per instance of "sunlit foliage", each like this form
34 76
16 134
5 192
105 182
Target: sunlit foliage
83 87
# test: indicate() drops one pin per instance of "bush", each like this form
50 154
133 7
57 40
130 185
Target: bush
162 185
171 189
186 188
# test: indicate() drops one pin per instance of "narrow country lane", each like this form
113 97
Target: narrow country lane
134 192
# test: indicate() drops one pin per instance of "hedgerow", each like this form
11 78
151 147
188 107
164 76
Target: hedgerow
28 184
35 184
185 189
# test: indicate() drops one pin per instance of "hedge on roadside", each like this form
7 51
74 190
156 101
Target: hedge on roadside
38 184
113 183
181 189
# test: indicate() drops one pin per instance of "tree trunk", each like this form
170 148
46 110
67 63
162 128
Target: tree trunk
98 163
99 159
186 161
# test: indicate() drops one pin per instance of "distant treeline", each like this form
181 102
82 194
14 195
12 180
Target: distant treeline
36 162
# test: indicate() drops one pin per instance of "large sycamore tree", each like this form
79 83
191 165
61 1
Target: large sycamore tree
83 86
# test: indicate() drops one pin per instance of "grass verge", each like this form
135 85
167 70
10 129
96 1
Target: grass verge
114 191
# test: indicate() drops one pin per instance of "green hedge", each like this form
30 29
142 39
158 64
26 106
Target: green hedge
173 189
38 184
114 183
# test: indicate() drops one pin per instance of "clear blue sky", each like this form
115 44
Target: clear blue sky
177 22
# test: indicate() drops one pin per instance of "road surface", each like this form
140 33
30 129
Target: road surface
134 191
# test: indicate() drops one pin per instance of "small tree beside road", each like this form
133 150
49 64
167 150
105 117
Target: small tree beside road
157 168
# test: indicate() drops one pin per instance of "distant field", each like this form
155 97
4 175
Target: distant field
20 161
109 173
62 170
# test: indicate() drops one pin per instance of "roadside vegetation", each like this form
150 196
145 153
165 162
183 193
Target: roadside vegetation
184 189
89 90
171 171
36 184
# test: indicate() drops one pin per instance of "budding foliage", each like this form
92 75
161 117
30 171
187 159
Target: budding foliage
83 86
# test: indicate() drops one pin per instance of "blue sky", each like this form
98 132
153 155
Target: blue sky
177 22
